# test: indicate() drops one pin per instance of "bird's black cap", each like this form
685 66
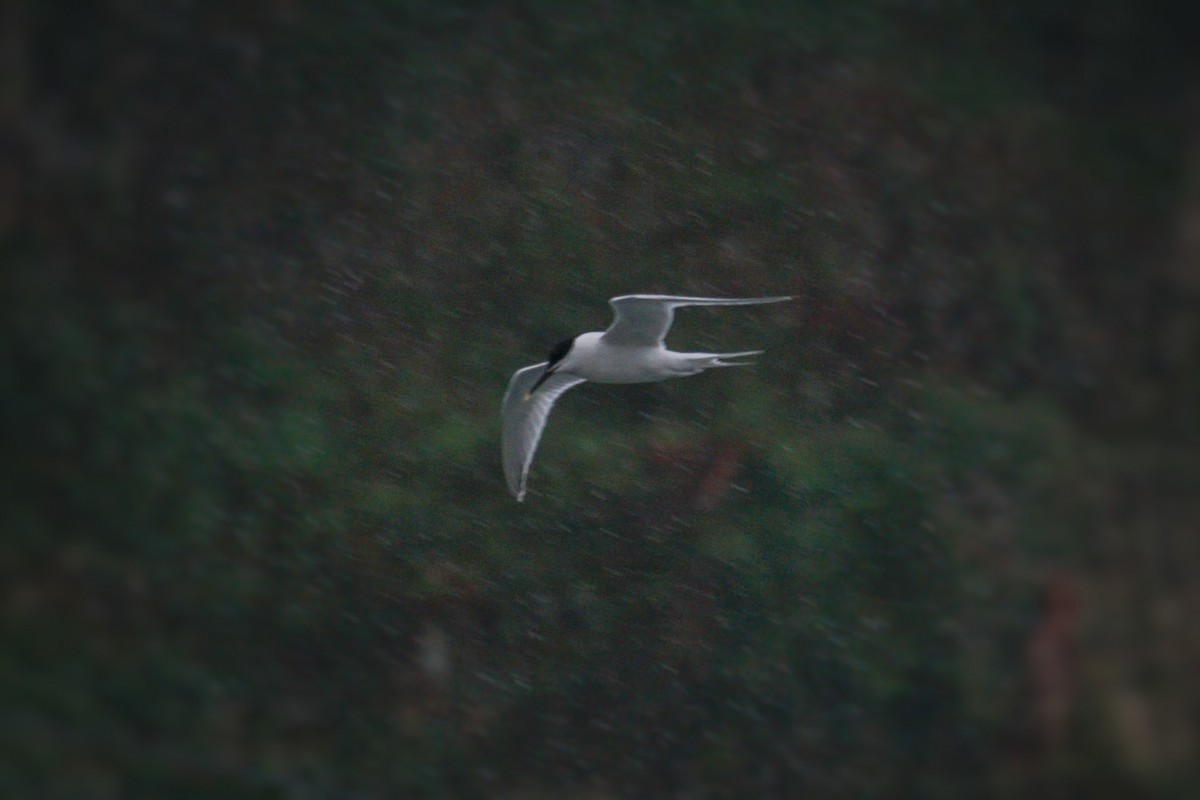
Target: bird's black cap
559 351
557 354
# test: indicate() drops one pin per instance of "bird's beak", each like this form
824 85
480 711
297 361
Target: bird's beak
549 371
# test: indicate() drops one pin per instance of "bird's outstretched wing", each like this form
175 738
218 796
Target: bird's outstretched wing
644 319
524 419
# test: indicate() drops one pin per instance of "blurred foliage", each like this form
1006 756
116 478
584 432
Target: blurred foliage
268 267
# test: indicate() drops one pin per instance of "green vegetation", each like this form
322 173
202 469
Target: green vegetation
268 269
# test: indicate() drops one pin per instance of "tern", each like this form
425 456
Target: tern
630 351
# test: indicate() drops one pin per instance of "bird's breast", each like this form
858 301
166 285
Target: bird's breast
604 363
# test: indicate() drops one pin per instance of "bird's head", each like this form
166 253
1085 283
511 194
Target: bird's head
557 354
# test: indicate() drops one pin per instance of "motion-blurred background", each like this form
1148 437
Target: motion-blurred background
268 266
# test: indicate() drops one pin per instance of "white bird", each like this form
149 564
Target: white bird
630 351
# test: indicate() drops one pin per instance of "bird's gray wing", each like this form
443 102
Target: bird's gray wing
523 420
644 319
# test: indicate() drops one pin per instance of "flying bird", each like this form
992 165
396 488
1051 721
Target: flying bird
630 351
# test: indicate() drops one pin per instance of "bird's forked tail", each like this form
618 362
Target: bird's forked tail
709 360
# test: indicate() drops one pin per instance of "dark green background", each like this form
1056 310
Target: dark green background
268 266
